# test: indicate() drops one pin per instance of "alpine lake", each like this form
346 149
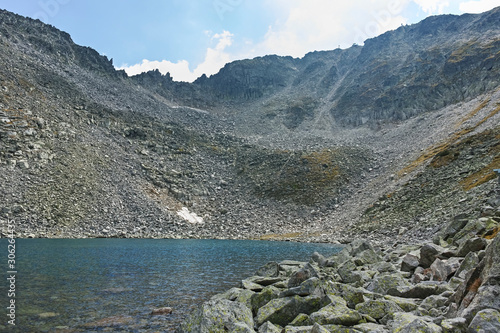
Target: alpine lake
113 285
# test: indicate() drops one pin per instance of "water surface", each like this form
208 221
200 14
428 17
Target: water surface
67 285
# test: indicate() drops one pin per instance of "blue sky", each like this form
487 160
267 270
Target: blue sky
190 37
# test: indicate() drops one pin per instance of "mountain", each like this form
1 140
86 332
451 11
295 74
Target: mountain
397 134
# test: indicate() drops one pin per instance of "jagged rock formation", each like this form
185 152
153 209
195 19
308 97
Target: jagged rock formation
404 129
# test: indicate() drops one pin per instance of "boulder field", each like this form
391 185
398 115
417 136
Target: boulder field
450 284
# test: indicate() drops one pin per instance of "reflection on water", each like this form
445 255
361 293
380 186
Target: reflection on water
68 285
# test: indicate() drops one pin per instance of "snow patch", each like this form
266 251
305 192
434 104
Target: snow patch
188 216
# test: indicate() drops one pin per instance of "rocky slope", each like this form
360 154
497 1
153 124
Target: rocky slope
404 129
449 286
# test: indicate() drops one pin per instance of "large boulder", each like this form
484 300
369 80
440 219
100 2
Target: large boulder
305 273
474 244
469 263
336 313
487 277
384 282
271 269
378 308
430 252
486 321
267 294
409 323
282 311
409 263
219 315
443 269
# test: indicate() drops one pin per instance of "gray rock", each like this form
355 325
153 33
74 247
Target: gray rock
317 328
271 269
384 282
282 311
409 263
350 294
430 252
319 259
378 308
336 313
250 285
347 272
421 290
470 262
442 269
305 273
434 302
486 321
472 245
409 323
269 327
262 298
371 328
488 294
218 315
312 286
301 320
454 325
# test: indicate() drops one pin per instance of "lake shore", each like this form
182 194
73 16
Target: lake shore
448 284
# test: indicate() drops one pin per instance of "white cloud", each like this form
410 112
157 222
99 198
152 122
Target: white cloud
215 59
432 6
475 7
326 24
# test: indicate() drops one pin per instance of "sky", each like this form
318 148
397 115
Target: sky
188 38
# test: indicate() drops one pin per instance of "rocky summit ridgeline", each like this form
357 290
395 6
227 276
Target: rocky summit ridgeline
450 285
393 137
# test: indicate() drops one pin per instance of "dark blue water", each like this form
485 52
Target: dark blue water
68 285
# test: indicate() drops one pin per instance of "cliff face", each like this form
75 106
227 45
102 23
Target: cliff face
272 146
402 73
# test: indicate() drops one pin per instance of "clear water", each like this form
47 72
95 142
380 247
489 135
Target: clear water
67 285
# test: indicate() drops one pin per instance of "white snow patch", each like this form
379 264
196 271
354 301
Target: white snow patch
188 216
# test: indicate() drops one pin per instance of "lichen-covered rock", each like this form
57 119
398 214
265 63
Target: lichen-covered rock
336 313
488 294
301 320
371 328
470 262
434 302
317 328
407 304
348 273
250 285
485 321
237 294
409 323
384 282
269 327
282 311
312 286
471 245
260 299
454 325
421 290
271 269
350 294
219 315
378 308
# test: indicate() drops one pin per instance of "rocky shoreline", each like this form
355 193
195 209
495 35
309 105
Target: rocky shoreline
449 284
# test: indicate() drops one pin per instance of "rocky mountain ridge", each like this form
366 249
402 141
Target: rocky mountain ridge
270 148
